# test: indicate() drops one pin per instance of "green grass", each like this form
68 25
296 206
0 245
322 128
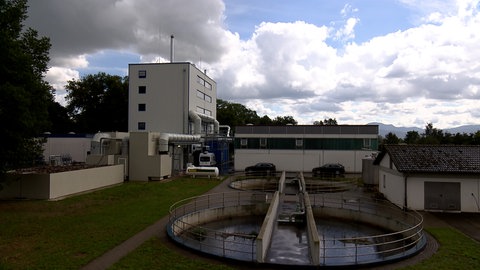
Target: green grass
456 251
153 254
69 233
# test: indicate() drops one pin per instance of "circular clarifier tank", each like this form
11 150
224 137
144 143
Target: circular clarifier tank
331 229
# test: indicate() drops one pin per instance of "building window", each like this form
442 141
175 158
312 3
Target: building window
243 143
142 89
200 94
367 143
204 83
142 107
204 111
384 181
204 96
141 125
142 74
207 98
263 142
200 80
208 85
299 143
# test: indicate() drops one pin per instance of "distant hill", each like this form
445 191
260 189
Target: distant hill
384 129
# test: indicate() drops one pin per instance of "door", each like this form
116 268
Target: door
442 196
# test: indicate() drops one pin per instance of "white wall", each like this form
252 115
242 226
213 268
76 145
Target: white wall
171 91
392 185
468 186
300 160
59 185
77 148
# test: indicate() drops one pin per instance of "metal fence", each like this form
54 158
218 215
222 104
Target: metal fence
406 240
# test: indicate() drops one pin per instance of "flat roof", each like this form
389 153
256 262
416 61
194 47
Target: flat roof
308 129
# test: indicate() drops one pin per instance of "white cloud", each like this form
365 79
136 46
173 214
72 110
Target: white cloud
427 73
58 78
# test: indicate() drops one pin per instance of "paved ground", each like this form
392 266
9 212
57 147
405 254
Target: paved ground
467 223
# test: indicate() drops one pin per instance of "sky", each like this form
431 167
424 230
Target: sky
400 62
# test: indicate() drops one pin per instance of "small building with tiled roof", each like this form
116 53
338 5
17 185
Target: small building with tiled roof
431 177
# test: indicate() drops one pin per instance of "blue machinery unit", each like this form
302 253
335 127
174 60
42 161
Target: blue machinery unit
220 147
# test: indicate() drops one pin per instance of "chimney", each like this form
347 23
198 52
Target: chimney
171 49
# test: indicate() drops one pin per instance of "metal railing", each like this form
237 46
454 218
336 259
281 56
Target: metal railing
405 240
194 234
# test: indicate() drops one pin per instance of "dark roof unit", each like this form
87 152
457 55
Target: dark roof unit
308 129
464 159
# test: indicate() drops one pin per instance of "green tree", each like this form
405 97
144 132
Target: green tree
24 95
391 138
284 120
98 102
265 120
476 138
412 137
59 119
432 135
326 122
235 114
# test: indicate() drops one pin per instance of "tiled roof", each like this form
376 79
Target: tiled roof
435 158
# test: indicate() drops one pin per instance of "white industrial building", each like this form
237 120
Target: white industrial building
303 147
431 177
171 97
172 106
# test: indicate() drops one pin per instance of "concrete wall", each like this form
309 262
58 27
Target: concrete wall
300 160
378 219
265 235
76 147
72 182
59 185
214 214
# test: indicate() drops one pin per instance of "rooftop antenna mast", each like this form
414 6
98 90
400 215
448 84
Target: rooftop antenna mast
171 49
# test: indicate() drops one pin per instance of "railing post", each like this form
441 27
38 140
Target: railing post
356 251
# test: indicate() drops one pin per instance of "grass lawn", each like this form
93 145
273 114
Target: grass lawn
153 254
456 251
67 234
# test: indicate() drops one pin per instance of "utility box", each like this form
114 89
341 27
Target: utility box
146 163
369 172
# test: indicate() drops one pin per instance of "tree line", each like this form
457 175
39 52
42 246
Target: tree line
433 136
